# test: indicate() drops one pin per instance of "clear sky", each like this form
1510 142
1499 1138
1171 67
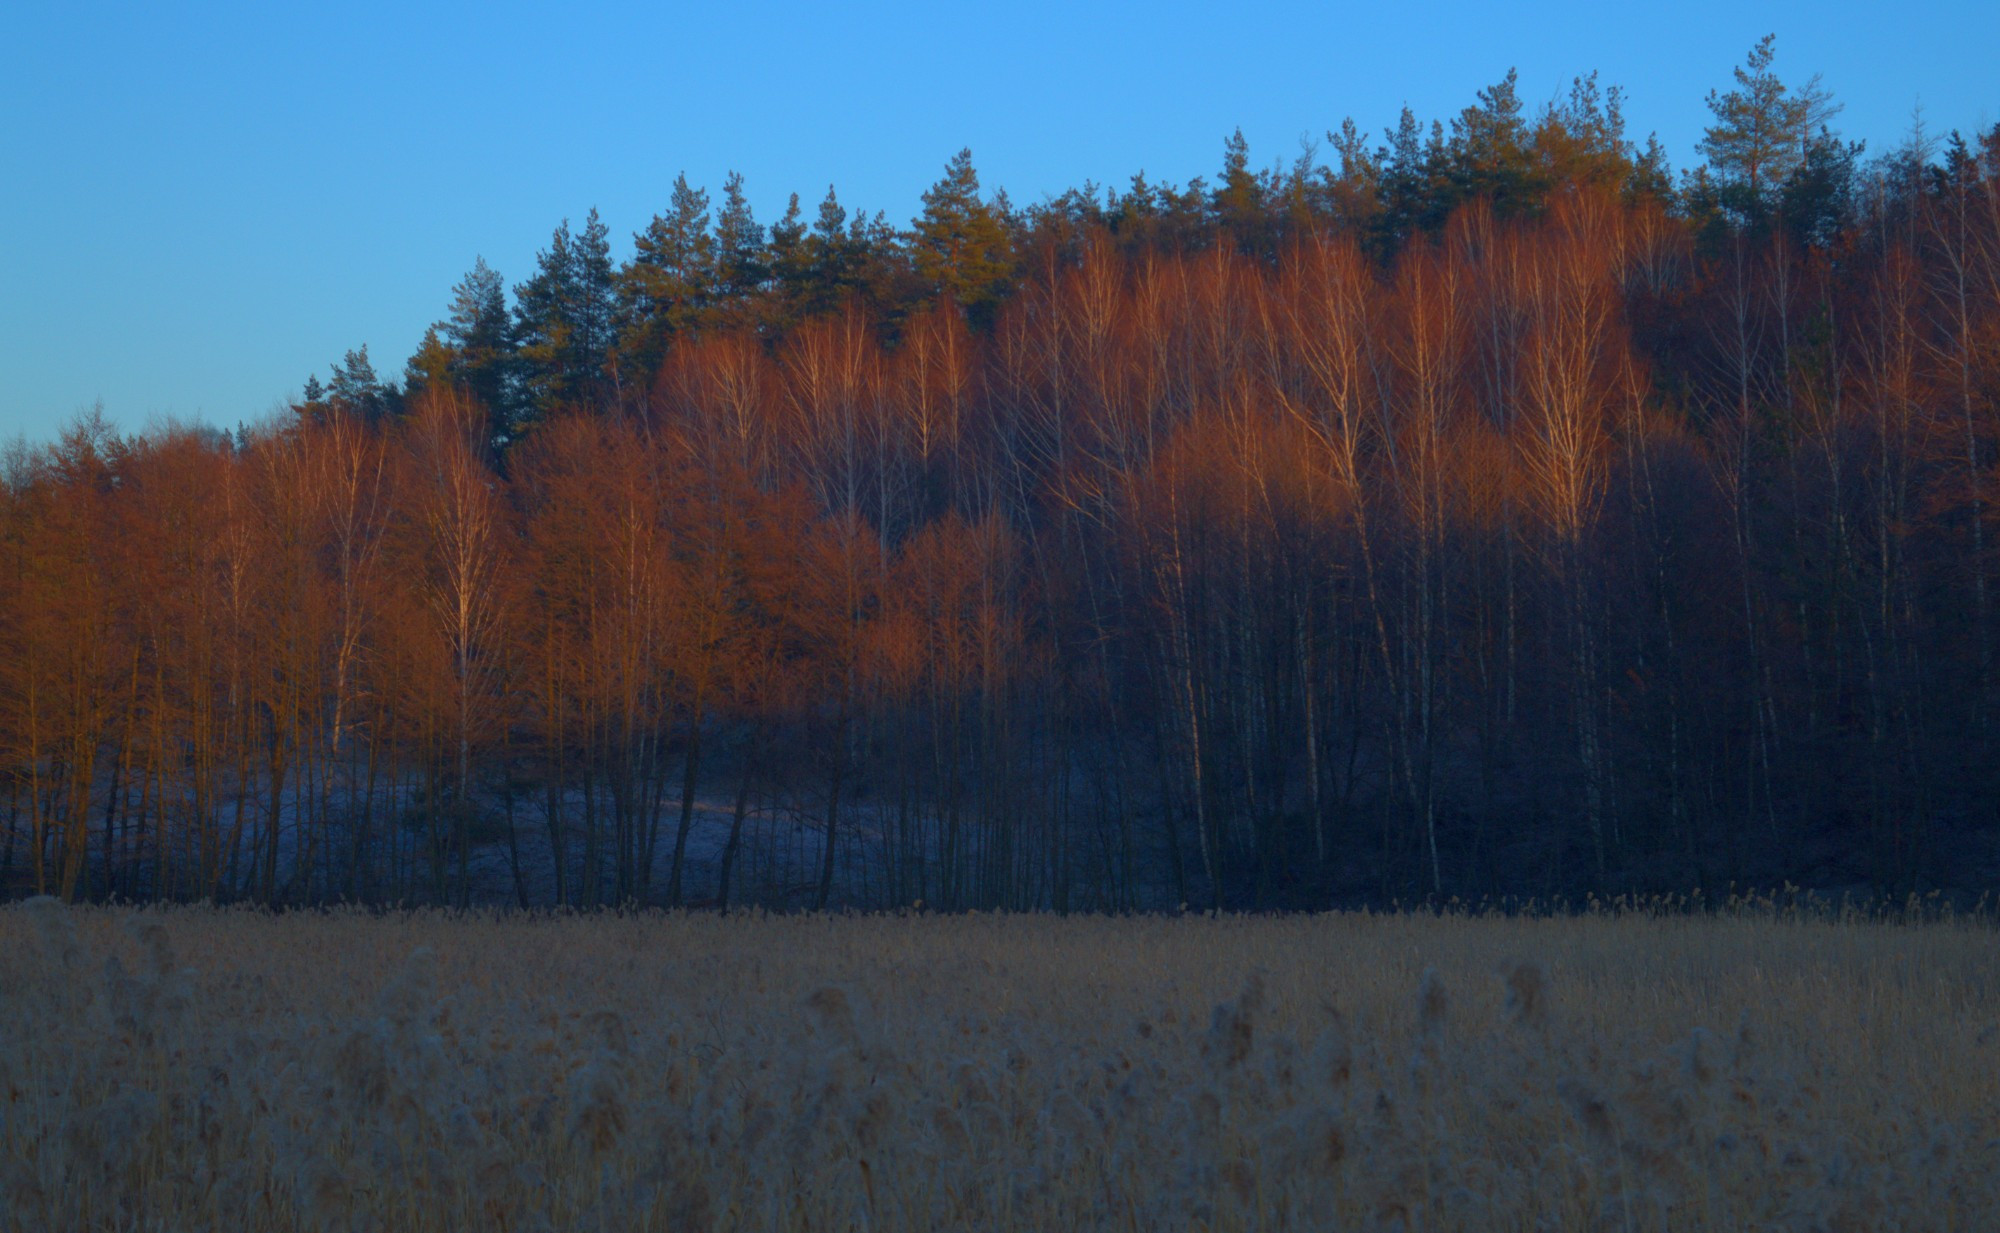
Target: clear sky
201 204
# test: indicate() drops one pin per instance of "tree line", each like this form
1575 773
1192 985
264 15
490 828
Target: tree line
1486 511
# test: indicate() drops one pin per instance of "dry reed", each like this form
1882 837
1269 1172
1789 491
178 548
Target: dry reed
226 1070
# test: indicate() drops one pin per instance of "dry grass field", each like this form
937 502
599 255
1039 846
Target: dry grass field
195 1069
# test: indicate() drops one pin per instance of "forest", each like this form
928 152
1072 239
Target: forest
1487 511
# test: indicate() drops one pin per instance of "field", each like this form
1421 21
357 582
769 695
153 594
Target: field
200 1069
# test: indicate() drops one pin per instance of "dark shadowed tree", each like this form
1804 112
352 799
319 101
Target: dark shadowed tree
565 322
480 334
664 290
741 261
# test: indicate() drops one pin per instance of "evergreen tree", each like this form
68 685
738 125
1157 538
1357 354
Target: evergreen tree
1060 224
1412 171
665 289
1817 199
1763 131
565 315
1354 187
741 261
477 338
1298 199
429 365
1650 176
881 271
830 224
789 265
961 250
356 390
478 324
596 310
1581 139
827 269
788 235
544 325
1490 155
1239 200
312 400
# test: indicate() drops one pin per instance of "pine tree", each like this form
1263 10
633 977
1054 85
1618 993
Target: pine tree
1354 187
881 272
565 315
355 388
824 271
478 340
1581 139
1490 155
789 267
1763 131
1817 200
596 311
312 399
1410 171
1651 176
478 324
665 290
961 247
830 224
1239 199
429 365
543 322
741 262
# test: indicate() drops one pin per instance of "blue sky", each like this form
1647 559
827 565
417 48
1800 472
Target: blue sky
201 204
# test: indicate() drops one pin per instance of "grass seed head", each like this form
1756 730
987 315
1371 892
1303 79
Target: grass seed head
1527 994
1241 1180
689 1205
950 1130
598 1119
985 1120
413 992
151 937
833 1014
57 930
871 1125
1589 1107
1322 1142
609 1029
21 1191
1433 1006
326 1196
361 1069
1232 1030
1746 1043
1333 1056
1701 1057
